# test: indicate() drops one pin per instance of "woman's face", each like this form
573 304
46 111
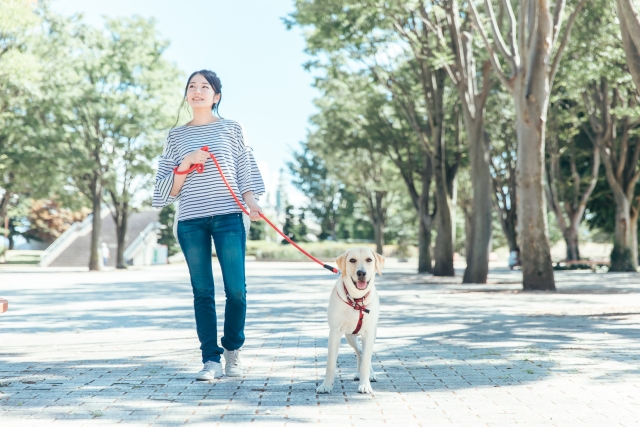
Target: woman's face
200 94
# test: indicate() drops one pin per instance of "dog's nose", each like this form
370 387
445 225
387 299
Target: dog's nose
361 274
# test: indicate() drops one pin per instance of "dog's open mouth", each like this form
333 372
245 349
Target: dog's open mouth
361 284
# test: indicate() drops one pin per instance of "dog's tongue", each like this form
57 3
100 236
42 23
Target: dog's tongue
361 284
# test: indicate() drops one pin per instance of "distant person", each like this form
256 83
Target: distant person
514 259
106 254
207 209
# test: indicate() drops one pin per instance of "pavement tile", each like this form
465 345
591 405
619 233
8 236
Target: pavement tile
120 348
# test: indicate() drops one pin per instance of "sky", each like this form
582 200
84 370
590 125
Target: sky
259 62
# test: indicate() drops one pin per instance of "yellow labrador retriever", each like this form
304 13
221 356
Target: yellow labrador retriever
353 310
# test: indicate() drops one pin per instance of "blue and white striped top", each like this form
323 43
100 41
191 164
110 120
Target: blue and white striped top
205 194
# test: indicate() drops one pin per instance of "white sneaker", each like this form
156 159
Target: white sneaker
233 366
210 371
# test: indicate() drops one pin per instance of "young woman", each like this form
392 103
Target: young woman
206 210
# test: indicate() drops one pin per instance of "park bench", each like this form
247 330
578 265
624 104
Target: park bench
592 264
4 305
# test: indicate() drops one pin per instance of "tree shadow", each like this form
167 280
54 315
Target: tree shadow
426 343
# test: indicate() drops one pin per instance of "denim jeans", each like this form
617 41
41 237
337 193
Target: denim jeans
229 237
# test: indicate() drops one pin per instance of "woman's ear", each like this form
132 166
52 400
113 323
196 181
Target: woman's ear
379 263
342 262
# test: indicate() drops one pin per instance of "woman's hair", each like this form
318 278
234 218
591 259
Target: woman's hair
214 81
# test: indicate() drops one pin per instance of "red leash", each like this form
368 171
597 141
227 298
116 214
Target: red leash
199 168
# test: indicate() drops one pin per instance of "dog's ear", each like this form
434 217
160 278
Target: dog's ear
342 262
379 263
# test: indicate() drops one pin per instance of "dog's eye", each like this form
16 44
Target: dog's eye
369 260
352 260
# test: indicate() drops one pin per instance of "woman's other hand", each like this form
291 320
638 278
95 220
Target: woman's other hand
255 211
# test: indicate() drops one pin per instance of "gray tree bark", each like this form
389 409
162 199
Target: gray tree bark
473 100
95 261
481 181
426 220
378 225
630 30
535 255
528 47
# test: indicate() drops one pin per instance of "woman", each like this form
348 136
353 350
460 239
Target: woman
206 210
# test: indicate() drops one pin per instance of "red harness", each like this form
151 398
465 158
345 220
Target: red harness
357 304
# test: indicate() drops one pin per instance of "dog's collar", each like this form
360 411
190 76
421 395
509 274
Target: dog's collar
356 304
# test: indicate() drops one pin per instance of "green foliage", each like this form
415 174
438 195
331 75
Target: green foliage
257 230
166 219
294 226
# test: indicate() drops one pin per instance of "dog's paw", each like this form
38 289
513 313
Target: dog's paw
324 389
356 376
365 388
372 377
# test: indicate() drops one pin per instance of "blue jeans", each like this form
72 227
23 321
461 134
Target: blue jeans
229 236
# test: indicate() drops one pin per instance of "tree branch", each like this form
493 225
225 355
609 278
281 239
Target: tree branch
492 55
563 42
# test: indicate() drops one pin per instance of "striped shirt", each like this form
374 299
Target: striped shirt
205 194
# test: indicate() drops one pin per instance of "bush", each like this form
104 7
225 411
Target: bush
325 251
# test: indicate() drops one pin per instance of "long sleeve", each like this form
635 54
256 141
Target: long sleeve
164 177
248 176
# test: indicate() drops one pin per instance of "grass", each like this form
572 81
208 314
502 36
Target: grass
15 257
325 251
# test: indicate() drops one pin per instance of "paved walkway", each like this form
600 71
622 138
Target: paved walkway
79 348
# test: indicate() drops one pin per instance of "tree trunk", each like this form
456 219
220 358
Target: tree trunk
571 239
537 270
630 31
622 258
480 240
424 237
121 230
4 203
445 206
378 220
424 216
95 260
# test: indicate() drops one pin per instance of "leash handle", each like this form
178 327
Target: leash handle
199 168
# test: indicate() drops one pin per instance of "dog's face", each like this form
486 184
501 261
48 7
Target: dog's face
359 266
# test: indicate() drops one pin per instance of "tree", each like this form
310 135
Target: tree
108 123
24 169
528 50
415 85
145 83
323 190
500 123
607 109
572 173
166 218
454 36
353 150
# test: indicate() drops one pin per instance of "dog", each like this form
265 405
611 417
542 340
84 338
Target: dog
354 307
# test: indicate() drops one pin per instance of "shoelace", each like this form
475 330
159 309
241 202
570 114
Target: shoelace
234 358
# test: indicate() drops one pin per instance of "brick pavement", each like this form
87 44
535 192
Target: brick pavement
79 348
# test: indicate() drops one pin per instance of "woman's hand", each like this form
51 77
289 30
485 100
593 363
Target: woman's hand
197 157
255 211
